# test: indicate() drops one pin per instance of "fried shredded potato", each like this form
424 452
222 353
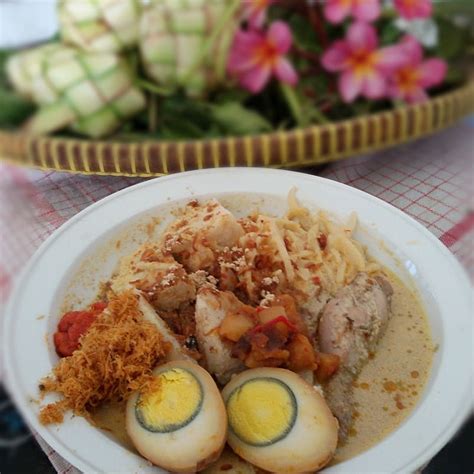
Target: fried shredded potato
116 356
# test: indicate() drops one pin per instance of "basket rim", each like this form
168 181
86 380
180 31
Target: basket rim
467 86
298 147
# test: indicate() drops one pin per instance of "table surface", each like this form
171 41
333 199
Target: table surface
432 180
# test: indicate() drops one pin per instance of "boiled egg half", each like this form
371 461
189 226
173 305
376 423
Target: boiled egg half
178 422
279 422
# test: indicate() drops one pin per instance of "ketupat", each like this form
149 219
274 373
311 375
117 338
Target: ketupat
101 26
24 67
91 93
185 43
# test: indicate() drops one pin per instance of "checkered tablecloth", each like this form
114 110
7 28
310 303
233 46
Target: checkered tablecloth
432 180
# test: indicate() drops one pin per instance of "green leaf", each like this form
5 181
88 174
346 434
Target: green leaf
4 55
14 109
454 75
234 118
390 34
452 39
304 35
454 7
234 94
318 83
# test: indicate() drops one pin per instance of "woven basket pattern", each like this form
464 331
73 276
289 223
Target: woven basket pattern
300 147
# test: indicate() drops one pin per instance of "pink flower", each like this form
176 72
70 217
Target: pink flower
410 80
412 9
255 11
363 67
364 10
257 56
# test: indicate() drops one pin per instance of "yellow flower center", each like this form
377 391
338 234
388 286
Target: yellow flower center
363 62
261 4
267 54
407 79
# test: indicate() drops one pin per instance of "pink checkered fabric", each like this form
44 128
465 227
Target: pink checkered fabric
432 180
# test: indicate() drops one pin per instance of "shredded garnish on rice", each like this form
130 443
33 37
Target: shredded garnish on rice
314 252
116 357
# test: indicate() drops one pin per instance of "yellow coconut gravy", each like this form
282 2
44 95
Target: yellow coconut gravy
385 392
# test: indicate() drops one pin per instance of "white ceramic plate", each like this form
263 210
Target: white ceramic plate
55 274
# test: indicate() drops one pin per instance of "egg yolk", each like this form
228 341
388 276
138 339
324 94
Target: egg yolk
172 401
262 411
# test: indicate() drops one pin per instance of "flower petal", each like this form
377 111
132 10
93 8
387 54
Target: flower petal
255 79
280 35
412 48
255 11
336 10
240 56
432 72
257 18
412 9
425 9
350 85
391 58
286 72
393 91
362 37
335 58
417 95
366 10
374 86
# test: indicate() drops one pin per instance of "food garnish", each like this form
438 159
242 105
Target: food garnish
72 326
116 356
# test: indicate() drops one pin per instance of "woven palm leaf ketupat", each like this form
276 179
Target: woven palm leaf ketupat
25 67
185 43
295 148
101 26
91 93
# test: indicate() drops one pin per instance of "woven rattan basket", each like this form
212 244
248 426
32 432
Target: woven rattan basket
296 148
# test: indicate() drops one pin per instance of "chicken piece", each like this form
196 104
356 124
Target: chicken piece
350 327
212 306
203 230
311 308
177 351
161 279
354 319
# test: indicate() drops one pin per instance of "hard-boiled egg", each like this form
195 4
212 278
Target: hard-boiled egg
230 463
178 421
279 422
